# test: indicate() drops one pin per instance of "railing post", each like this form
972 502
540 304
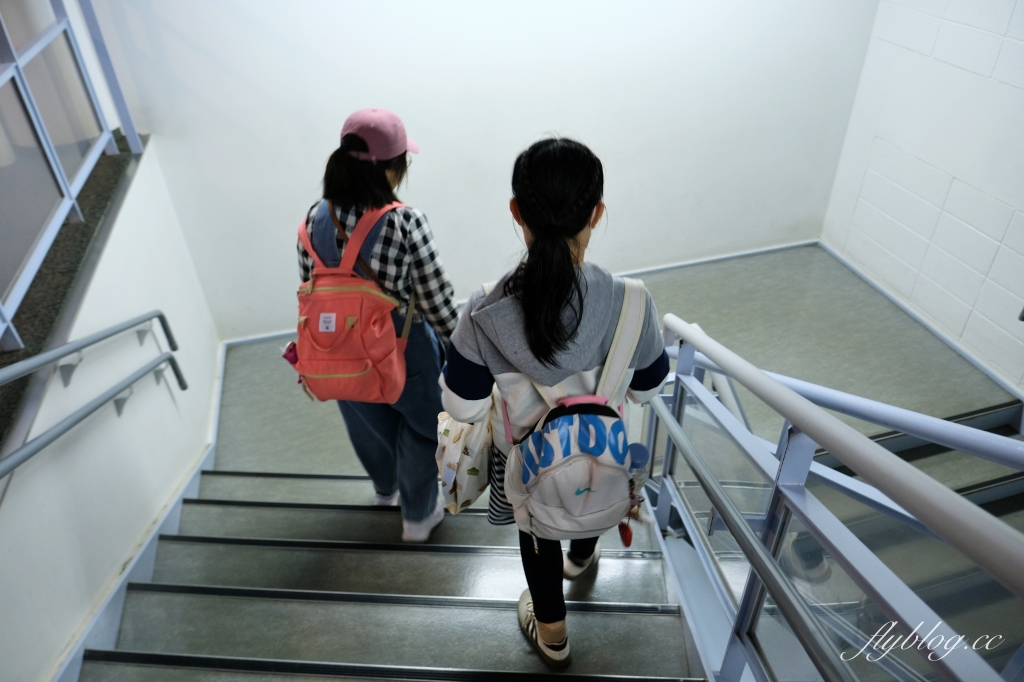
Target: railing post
795 452
684 361
668 465
9 339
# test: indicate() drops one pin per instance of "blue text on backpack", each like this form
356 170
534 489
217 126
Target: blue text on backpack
570 478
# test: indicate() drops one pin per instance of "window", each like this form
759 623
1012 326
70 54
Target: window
52 132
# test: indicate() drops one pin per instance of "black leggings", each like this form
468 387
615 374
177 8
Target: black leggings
543 569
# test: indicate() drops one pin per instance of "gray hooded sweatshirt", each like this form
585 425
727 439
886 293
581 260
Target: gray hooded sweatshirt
489 346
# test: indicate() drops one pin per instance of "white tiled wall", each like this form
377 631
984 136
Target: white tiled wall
985 37
953 251
929 194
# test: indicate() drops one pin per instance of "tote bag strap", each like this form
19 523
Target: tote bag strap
627 337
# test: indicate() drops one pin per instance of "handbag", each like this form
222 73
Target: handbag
463 453
463 457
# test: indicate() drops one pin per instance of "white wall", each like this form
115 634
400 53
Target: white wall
75 513
929 194
720 123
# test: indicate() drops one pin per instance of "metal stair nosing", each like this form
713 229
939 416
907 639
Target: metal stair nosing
393 599
354 545
232 473
365 670
375 509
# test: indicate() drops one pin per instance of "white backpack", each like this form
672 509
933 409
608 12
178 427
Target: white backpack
570 478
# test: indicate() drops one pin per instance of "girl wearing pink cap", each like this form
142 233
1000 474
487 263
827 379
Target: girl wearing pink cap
395 443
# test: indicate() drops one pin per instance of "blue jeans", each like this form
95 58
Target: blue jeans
396 443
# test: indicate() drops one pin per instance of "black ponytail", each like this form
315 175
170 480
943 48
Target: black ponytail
350 182
556 183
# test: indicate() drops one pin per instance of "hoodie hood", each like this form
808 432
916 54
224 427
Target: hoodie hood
500 318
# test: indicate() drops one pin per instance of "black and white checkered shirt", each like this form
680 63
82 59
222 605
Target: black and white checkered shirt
403 257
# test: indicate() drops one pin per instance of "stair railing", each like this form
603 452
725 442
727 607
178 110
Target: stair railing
995 448
29 365
907 492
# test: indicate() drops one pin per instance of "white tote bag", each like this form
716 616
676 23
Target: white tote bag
463 456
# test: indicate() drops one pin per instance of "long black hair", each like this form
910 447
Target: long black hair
557 183
353 183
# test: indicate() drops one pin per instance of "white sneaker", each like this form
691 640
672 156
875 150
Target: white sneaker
419 531
386 500
555 655
571 570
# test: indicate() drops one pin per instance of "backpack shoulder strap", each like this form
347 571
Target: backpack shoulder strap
306 244
363 227
627 336
550 394
339 230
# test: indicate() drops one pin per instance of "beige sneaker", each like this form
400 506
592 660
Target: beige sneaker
419 531
554 655
572 570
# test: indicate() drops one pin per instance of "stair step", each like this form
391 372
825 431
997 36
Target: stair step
221 518
434 632
295 488
104 670
486 573
132 666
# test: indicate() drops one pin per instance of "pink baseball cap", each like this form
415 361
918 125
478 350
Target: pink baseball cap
383 132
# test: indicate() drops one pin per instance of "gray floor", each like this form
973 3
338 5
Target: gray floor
268 423
798 312
958 470
802 313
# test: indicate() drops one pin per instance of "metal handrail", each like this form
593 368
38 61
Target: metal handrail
820 650
991 544
22 454
29 365
999 449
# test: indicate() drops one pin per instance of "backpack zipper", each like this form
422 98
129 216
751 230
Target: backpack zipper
364 289
337 376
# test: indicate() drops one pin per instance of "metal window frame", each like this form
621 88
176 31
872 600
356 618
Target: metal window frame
790 497
12 65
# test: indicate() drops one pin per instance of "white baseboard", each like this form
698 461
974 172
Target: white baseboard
715 259
102 629
256 338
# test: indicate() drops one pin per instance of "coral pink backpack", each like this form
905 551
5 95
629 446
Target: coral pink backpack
346 347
